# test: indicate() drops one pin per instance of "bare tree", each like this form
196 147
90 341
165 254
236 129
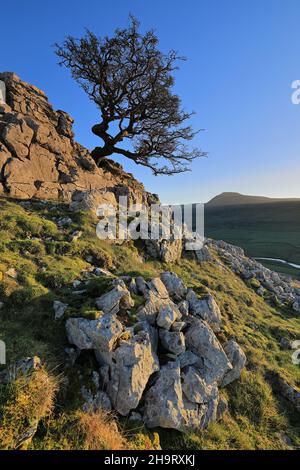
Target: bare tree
131 82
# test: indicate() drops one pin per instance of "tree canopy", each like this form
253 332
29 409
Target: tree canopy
131 80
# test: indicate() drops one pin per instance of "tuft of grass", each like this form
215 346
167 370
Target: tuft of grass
101 432
23 403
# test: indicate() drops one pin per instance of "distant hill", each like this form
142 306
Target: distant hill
264 227
233 199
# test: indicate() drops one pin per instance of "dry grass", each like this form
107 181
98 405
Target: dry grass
24 402
101 432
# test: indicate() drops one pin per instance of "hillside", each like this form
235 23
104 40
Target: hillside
234 199
132 345
41 263
268 230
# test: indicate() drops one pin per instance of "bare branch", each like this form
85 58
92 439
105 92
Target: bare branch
130 80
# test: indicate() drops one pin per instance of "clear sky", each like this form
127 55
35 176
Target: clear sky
243 56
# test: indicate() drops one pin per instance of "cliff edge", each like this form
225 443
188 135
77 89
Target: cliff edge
39 157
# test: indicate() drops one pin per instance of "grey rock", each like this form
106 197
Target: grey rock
178 325
117 299
100 334
172 341
237 359
167 316
195 387
174 285
23 366
188 358
205 308
184 307
201 340
166 406
133 363
59 309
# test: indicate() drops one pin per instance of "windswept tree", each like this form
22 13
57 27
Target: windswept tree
130 80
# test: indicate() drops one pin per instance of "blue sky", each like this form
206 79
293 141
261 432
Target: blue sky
242 58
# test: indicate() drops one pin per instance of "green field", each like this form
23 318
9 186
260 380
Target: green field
263 230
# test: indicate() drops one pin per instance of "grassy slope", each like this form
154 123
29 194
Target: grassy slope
268 230
47 266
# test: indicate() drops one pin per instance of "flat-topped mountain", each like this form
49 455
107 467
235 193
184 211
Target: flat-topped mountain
232 199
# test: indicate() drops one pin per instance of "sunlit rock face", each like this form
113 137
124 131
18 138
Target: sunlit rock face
2 92
39 157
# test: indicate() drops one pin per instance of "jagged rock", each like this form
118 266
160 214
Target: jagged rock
184 307
177 389
164 402
148 312
100 334
59 309
157 287
133 363
117 299
206 308
152 332
201 340
203 254
167 315
17 137
165 405
237 359
188 358
172 341
195 387
249 270
174 285
168 251
178 326
39 157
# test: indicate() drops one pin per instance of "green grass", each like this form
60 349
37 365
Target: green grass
257 416
266 230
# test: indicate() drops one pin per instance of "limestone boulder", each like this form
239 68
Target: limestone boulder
174 285
133 363
101 334
237 359
172 341
116 299
206 308
201 340
167 316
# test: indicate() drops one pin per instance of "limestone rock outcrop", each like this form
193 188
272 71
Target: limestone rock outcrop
277 286
168 364
39 157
